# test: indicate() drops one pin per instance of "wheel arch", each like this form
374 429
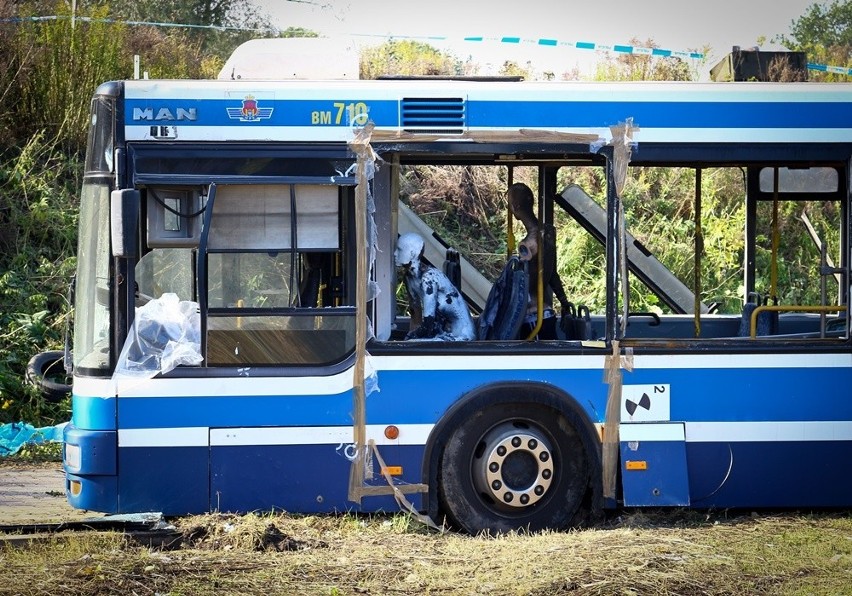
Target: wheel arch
505 393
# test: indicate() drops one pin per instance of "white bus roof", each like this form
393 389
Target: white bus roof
283 58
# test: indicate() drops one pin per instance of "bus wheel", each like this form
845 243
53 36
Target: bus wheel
47 372
517 466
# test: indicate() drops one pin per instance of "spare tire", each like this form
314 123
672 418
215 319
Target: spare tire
47 372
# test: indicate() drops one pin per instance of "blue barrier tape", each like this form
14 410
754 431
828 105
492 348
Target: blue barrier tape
833 69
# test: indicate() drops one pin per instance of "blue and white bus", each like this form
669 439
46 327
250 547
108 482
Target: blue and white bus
272 209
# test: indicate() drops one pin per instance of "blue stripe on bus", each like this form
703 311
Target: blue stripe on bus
394 403
660 114
745 395
696 395
518 114
709 395
228 411
93 413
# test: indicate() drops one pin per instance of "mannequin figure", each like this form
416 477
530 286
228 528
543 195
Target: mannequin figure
437 307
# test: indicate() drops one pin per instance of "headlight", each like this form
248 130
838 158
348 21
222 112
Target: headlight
73 456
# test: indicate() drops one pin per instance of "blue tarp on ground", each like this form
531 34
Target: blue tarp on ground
15 435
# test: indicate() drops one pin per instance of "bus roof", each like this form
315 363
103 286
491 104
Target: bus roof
303 58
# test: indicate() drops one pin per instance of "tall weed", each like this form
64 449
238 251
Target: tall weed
57 66
53 67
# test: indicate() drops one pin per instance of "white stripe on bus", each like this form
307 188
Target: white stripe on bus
193 436
568 362
417 434
215 386
668 431
409 434
768 432
646 135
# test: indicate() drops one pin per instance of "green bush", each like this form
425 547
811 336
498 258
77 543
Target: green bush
48 72
38 219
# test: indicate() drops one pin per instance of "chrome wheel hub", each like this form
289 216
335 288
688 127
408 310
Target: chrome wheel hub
515 468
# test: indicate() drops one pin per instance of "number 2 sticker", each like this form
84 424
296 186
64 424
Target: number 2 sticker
645 403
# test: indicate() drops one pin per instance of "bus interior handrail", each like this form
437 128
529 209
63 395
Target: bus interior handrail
788 308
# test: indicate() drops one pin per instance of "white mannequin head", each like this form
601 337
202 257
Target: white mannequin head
409 247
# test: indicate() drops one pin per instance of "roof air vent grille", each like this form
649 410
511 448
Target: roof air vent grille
433 115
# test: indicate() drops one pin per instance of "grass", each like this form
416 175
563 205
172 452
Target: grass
685 553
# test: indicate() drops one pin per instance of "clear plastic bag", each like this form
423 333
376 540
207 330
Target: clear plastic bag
166 333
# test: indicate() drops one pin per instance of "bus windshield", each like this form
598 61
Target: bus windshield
91 316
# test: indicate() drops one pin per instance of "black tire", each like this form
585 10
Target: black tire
45 371
481 490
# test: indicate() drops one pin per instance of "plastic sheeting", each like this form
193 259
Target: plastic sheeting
15 435
166 333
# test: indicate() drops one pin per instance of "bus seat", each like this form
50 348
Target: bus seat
452 267
506 305
311 280
767 322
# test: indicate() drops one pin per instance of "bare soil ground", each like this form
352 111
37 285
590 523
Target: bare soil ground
34 493
631 553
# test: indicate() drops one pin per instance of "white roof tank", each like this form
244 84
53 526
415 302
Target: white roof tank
315 58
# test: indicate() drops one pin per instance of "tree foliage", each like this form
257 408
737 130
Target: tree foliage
824 33
510 68
298 32
407 58
240 20
53 67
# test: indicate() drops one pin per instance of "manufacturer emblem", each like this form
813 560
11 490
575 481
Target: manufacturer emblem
250 111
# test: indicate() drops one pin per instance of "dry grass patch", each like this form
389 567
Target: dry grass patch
634 554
